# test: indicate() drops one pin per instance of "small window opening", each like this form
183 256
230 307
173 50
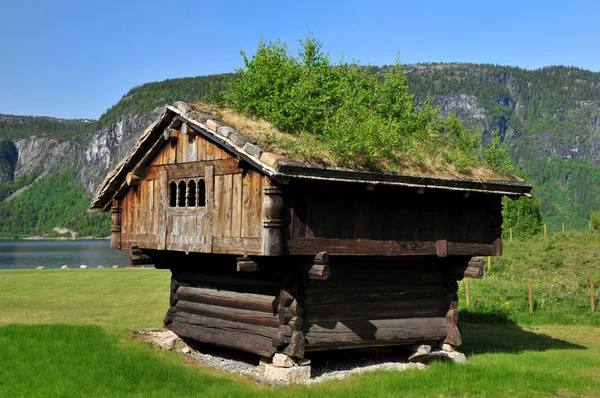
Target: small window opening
201 197
181 194
173 194
192 194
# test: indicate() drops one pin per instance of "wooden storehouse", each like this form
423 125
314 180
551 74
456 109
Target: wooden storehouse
271 256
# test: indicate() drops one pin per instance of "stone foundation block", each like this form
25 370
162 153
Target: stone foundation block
295 374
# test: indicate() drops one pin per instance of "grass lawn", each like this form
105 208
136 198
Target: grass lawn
68 333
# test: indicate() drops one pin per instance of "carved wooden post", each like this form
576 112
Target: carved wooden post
187 194
115 217
272 231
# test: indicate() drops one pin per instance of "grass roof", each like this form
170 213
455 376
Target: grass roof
307 149
307 110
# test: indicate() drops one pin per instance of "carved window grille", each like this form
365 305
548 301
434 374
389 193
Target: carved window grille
187 193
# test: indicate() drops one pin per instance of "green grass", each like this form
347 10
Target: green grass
560 268
115 299
68 333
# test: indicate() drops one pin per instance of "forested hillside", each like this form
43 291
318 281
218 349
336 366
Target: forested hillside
549 119
147 97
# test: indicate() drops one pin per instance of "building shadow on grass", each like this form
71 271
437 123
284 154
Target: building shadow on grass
487 333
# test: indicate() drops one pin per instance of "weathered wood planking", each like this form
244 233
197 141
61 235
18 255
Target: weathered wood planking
237 206
189 148
348 219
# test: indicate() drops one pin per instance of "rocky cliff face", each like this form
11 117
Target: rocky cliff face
92 153
8 160
554 111
107 146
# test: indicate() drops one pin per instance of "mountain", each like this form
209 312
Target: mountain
549 119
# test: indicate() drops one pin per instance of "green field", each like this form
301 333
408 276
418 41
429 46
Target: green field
68 333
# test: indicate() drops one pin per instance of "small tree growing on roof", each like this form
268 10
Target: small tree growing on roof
364 121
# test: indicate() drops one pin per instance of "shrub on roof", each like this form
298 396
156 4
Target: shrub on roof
364 120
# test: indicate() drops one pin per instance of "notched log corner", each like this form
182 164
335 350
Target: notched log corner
320 270
246 264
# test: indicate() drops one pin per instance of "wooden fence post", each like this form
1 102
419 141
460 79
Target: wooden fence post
545 231
592 295
510 231
563 228
467 295
530 297
489 263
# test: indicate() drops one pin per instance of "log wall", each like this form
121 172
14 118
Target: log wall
219 306
355 219
367 302
374 302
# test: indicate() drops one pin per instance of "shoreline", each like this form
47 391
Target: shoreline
36 237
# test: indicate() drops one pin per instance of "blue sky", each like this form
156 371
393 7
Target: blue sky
74 59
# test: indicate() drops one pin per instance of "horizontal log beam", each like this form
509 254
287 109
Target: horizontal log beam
374 293
385 279
224 298
368 247
375 332
250 338
229 313
204 279
375 310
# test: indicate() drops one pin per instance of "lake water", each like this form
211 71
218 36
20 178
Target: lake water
28 254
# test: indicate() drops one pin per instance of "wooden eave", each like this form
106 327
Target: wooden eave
152 141
312 172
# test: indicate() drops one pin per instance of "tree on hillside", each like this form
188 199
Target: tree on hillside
523 215
595 220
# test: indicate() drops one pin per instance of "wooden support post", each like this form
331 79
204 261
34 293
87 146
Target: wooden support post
563 228
510 232
545 231
453 336
592 295
272 231
115 230
489 263
530 296
467 294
